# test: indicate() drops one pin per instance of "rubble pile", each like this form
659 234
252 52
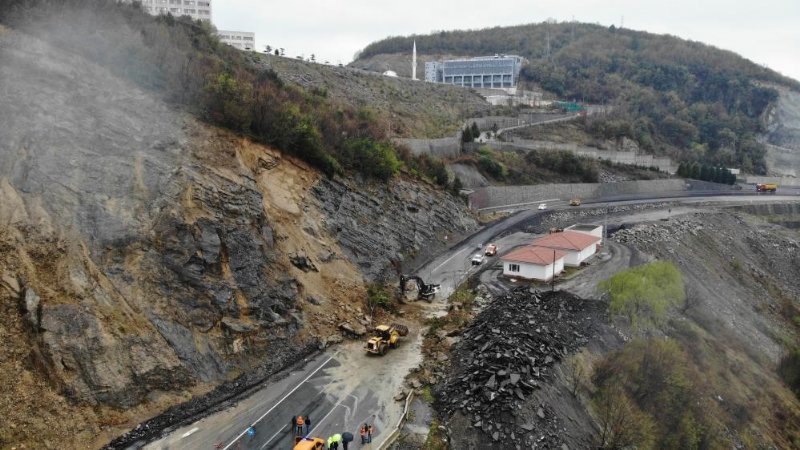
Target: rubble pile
673 230
504 356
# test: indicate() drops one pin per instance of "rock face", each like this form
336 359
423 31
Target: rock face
503 358
379 228
142 251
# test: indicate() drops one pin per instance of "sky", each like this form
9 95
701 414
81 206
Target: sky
766 32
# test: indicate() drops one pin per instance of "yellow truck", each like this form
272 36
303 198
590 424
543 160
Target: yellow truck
767 187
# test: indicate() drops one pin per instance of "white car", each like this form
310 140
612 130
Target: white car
542 206
477 259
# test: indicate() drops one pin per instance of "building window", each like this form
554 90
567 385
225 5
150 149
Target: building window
513 267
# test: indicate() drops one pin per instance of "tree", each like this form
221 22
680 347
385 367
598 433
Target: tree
622 424
267 49
476 133
313 58
283 52
277 52
456 186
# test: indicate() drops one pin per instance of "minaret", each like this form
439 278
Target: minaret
414 62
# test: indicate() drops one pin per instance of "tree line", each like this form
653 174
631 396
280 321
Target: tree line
691 101
705 172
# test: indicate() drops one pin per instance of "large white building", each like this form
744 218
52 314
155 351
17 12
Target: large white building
243 40
196 9
533 263
489 72
578 246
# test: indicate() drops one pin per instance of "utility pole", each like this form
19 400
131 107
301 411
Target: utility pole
553 280
547 45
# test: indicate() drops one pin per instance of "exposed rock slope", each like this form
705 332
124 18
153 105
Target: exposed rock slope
145 256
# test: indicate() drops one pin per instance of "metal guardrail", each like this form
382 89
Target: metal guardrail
396 432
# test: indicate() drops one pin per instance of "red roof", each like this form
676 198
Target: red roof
538 256
567 240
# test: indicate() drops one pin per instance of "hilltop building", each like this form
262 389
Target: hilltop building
196 9
243 40
492 72
199 10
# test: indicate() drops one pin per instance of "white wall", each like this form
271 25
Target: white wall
596 231
575 258
532 271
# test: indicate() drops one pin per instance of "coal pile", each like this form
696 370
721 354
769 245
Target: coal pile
507 354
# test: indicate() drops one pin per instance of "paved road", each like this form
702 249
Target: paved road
341 389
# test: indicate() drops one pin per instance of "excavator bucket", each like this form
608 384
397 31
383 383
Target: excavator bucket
402 330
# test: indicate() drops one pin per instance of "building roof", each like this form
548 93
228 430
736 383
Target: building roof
538 256
567 240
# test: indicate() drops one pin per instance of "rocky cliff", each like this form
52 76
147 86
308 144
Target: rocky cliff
146 257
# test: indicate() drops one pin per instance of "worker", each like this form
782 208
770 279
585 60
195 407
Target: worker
369 433
333 441
300 422
308 424
293 425
363 432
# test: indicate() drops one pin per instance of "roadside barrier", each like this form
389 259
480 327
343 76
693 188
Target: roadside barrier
396 432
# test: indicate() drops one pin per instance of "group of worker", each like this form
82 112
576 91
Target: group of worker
298 422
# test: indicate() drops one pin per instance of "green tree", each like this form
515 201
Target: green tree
643 294
474 131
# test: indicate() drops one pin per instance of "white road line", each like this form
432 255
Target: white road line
279 402
448 259
190 432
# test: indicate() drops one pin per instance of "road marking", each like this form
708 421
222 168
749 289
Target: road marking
448 259
279 402
190 432
309 431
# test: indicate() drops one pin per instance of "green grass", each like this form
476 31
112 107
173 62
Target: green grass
644 294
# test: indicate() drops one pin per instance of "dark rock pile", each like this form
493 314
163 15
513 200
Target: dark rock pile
505 356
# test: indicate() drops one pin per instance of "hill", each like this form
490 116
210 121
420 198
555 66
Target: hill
673 97
154 248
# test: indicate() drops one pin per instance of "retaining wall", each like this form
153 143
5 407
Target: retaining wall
780 181
497 196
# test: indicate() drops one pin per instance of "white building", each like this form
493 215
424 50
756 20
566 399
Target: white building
533 263
196 9
243 40
578 246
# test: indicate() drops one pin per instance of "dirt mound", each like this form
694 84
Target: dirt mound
505 356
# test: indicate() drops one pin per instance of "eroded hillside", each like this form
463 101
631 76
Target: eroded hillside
147 257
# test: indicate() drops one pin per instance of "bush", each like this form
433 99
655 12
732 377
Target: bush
370 157
491 167
644 294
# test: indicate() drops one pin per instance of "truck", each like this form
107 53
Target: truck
767 187
491 250
385 337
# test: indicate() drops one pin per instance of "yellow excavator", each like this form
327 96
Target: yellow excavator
384 338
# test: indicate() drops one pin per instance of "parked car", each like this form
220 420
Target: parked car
575 202
542 206
477 260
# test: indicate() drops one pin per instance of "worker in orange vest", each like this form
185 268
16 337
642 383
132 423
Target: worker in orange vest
300 423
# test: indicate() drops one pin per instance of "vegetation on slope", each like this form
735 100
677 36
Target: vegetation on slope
644 293
694 102
183 61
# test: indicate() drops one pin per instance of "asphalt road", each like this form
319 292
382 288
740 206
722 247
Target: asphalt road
342 389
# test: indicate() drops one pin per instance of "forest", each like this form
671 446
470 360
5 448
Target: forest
684 99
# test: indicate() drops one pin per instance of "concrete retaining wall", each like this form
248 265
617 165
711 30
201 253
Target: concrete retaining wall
497 196
442 147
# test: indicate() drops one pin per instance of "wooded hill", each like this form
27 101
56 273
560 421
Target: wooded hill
691 101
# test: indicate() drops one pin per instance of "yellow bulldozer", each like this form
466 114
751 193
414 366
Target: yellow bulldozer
385 337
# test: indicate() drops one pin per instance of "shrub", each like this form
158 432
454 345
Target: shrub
643 294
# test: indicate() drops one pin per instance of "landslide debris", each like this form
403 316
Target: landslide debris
503 358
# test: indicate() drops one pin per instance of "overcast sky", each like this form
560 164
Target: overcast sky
764 31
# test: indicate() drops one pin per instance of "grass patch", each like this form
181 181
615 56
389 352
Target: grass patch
644 294
426 394
436 438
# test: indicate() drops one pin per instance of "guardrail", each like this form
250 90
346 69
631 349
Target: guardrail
396 432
